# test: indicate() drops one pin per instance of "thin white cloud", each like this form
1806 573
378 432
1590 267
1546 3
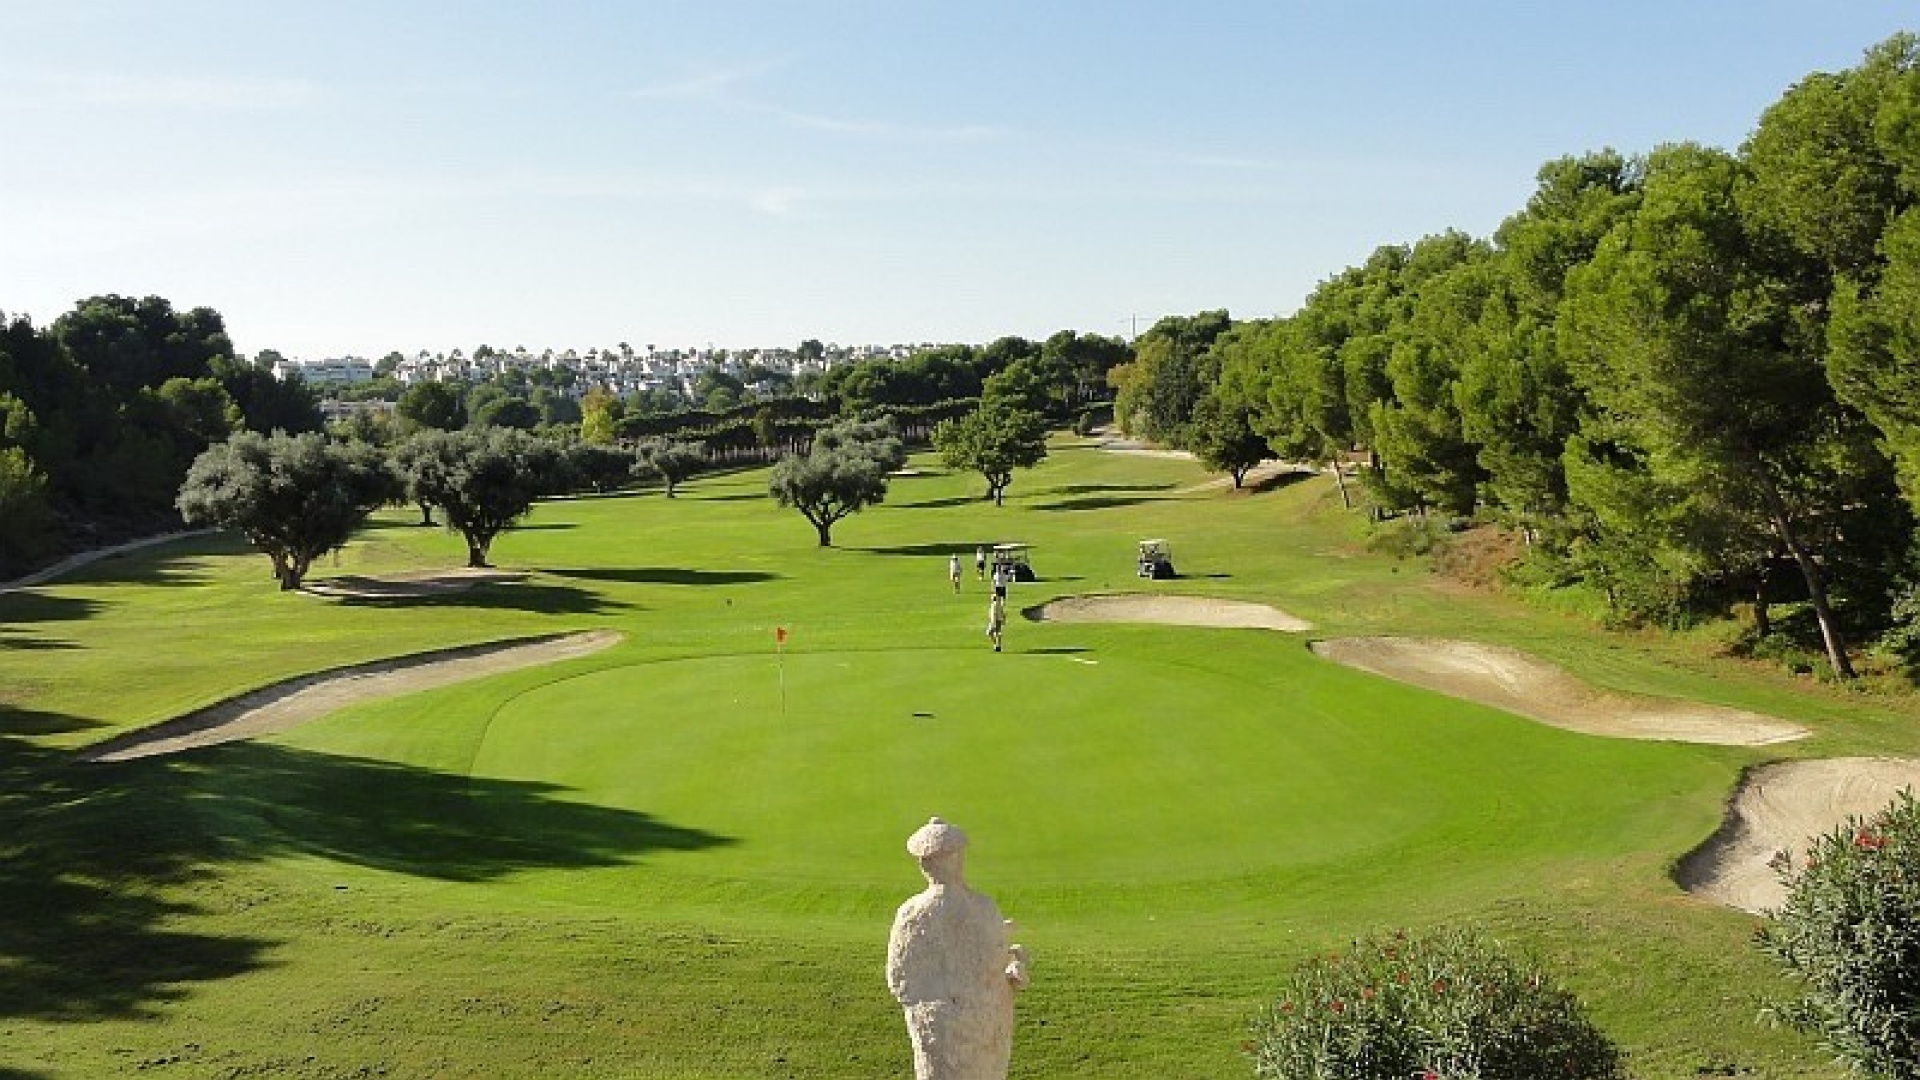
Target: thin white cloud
25 90
727 88
714 86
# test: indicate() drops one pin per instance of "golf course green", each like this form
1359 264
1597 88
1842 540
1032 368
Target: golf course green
678 857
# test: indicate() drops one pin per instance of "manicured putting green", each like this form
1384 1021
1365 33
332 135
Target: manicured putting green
1106 767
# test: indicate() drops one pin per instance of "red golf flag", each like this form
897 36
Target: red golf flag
780 634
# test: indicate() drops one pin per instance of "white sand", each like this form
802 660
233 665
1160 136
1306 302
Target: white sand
1782 808
1167 610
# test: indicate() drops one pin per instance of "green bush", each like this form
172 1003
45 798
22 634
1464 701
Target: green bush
1849 933
1452 1005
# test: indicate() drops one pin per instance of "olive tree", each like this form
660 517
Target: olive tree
843 472
295 497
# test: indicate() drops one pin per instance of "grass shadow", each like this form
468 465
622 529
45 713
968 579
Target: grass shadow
664 575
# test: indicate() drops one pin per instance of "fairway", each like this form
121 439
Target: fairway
678 857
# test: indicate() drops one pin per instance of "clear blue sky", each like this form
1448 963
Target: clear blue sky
358 177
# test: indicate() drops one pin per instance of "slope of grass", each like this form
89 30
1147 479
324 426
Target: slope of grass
678 858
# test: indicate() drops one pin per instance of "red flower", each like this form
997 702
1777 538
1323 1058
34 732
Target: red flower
1336 1006
1867 841
1439 986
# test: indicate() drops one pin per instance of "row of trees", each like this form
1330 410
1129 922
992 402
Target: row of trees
297 497
1691 377
101 412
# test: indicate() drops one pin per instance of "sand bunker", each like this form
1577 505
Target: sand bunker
409 586
1168 610
288 704
1779 809
1511 680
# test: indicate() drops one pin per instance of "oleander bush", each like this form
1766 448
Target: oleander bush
1451 1005
1849 934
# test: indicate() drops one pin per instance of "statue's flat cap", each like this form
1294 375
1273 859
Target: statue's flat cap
936 837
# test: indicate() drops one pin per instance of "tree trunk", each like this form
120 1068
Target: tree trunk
426 513
1762 622
477 553
1340 481
825 529
1816 582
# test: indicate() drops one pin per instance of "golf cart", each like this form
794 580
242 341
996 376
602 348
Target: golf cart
1011 561
1156 559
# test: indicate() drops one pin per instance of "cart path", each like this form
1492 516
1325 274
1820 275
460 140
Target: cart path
296 701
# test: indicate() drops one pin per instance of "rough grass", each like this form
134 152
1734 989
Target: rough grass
678 858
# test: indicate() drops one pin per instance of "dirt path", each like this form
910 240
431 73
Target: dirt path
1167 610
1511 680
288 704
1779 809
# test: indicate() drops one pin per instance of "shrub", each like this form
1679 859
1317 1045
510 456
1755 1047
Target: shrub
1849 933
1452 1005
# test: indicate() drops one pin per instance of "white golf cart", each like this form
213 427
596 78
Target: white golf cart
1012 562
1156 559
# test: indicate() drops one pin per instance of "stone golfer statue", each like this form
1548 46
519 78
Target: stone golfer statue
951 968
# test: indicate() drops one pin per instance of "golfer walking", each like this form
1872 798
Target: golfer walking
996 619
953 570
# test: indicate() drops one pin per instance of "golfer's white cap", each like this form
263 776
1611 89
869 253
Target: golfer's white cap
936 837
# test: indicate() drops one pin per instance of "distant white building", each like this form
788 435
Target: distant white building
340 371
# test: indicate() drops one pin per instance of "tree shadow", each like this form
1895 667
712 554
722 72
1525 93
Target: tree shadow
745 496
33 606
1103 489
941 504
16 722
105 868
663 575
1098 502
508 596
927 551
1280 480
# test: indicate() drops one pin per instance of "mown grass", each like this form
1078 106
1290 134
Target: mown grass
678 858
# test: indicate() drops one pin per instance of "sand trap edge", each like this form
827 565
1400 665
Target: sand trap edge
228 720
1157 610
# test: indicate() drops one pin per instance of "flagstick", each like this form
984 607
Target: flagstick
780 654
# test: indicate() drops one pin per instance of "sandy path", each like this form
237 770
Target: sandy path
1782 808
1167 610
74 562
1511 680
309 697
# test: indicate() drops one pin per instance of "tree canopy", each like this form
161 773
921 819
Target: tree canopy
295 497
842 473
